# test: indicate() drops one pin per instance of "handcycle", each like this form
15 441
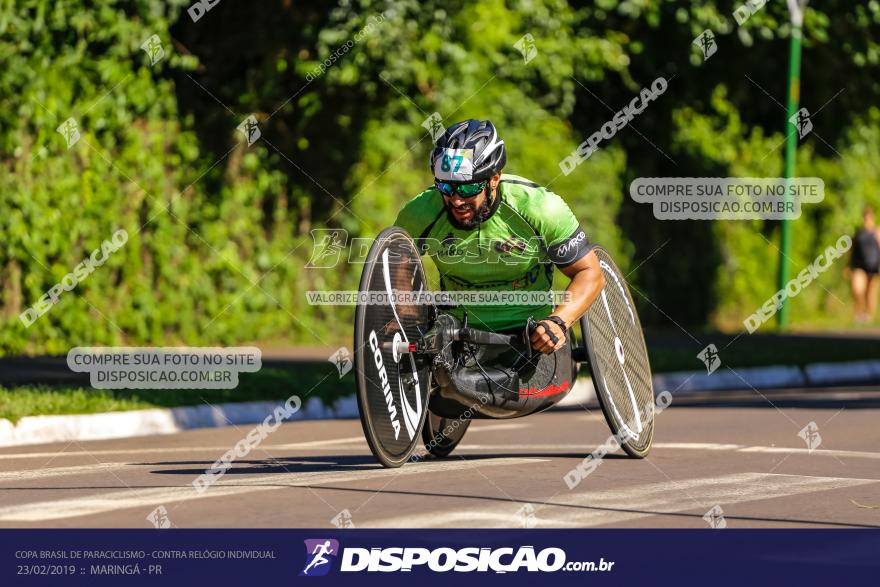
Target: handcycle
419 371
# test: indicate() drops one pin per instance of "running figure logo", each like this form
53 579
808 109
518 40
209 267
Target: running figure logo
802 122
153 48
715 518
70 131
317 552
342 359
810 435
250 129
526 46
434 125
326 247
706 43
710 358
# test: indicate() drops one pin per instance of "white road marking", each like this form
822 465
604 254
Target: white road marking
218 450
354 441
817 452
316 443
492 427
231 484
859 454
130 451
33 474
612 506
697 446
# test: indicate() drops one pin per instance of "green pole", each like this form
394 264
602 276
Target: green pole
791 141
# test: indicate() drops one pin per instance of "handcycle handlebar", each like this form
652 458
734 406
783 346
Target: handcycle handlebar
463 334
432 346
472 335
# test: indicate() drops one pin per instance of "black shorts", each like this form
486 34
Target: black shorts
868 270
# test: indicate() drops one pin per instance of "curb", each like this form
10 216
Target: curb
757 377
66 428
833 373
824 374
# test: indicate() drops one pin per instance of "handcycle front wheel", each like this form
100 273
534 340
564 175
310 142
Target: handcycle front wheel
392 388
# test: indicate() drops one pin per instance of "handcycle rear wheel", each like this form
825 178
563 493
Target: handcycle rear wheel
618 358
441 435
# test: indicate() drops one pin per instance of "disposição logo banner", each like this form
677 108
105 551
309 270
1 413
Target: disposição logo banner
320 554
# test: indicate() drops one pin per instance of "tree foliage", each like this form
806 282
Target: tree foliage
220 233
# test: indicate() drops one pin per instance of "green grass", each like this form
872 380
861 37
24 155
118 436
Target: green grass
27 400
307 380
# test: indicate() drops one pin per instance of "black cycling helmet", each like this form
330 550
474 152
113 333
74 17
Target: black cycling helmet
468 151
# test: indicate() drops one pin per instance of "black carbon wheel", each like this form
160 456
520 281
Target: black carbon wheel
392 387
441 435
619 361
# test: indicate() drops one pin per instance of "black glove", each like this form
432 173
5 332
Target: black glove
559 322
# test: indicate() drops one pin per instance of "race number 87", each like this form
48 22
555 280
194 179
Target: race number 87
446 165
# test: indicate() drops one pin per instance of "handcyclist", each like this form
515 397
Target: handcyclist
491 231
488 231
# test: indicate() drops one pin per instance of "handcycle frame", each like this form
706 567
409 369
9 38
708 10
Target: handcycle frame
412 356
531 385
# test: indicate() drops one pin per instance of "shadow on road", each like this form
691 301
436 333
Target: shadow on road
337 463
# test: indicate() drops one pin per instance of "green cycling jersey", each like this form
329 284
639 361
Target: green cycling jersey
529 231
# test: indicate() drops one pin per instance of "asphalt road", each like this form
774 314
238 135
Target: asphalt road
746 464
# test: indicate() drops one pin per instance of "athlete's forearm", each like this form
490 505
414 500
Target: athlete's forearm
587 282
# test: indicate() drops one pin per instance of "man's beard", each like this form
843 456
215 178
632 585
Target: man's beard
478 216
